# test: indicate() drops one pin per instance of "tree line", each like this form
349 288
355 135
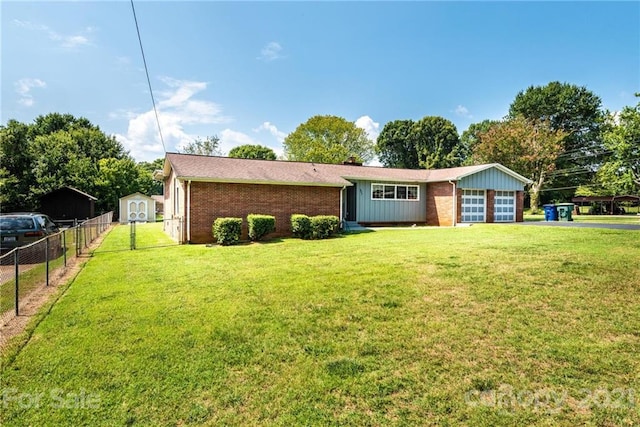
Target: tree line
558 135
59 150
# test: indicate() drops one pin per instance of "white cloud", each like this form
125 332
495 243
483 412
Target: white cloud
26 101
23 88
66 41
462 111
372 128
71 41
273 130
231 138
176 110
271 52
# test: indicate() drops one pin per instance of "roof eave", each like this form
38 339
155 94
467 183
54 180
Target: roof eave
260 182
498 166
389 179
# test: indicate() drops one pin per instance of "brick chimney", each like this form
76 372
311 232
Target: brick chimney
352 162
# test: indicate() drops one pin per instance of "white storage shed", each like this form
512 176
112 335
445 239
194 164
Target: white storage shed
137 207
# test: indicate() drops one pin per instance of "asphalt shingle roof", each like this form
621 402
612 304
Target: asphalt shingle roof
225 169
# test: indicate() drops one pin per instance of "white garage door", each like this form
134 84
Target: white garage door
504 207
473 203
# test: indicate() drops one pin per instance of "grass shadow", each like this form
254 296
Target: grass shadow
346 233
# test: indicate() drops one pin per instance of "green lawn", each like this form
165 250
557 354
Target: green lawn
31 278
483 325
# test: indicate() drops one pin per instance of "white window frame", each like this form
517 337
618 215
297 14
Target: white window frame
395 192
464 215
504 195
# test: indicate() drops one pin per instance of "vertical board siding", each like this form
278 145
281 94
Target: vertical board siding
389 210
493 179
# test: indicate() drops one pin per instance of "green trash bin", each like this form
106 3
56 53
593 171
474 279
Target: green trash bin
564 211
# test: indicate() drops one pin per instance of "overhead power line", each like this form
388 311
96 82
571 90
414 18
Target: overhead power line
146 70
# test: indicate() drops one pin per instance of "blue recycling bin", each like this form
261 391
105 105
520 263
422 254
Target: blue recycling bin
550 212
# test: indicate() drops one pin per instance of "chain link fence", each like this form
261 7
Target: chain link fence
27 270
144 235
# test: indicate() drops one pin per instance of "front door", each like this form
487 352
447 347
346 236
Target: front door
351 203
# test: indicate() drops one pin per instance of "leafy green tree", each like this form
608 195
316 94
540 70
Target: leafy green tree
328 139
58 162
437 143
15 167
471 137
152 187
55 150
430 143
395 147
53 122
578 113
250 151
528 147
210 146
117 178
620 173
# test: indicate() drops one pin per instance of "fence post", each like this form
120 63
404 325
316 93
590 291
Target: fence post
132 235
46 260
16 264
64 246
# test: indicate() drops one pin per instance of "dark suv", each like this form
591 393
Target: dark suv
19 229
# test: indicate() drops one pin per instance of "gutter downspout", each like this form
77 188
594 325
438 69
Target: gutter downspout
188 211
341 206
455 204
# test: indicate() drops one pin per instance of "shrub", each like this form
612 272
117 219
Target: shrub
316 227
227 230
301 226
324 226
260 225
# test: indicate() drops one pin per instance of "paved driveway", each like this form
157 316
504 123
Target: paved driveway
581 225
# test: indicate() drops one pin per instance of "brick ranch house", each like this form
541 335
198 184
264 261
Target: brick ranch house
199 189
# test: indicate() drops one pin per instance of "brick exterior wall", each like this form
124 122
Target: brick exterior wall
491 201
519 206
211 200
440 204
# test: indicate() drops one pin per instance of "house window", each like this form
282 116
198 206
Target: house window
394 192
377 191
389 192
177 197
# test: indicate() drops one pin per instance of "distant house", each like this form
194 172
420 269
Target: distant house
68 203
137 207
159 202
199 189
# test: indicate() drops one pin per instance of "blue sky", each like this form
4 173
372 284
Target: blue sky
252 72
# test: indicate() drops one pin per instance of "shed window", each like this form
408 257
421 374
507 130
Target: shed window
394 192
